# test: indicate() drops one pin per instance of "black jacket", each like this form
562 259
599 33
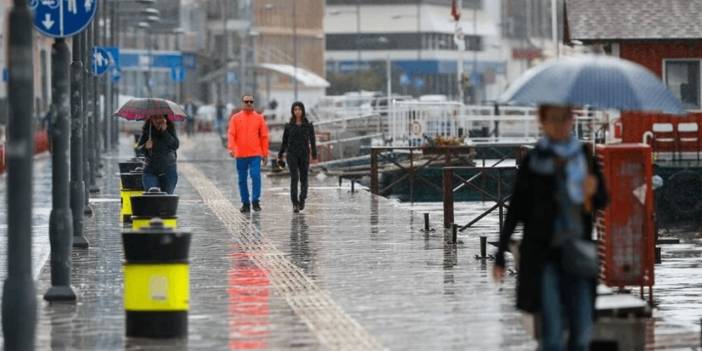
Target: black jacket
534 205
299 140
163 153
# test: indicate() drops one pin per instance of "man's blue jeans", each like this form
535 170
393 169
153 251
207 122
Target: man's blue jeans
565 300
246 166
166 181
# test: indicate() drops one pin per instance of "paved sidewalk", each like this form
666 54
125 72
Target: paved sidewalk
353 271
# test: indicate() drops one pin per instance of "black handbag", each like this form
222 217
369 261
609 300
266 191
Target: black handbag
579 257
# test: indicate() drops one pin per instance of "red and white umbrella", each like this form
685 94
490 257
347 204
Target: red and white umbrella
141 109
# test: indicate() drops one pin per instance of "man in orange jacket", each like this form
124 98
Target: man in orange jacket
248 143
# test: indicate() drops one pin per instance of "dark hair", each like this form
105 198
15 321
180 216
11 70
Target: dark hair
292 112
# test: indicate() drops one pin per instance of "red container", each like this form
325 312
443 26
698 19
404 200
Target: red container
625 229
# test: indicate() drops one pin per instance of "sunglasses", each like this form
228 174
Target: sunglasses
248 101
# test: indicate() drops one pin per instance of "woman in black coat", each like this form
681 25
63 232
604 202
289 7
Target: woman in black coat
557 189
298 143
159 143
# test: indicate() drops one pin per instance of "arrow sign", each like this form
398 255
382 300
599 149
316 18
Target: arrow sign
48 22
101 61
62 18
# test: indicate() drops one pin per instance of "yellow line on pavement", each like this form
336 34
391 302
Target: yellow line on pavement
334 329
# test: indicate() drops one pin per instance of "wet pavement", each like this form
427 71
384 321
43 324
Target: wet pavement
353 271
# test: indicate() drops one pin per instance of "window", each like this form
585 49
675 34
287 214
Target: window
399 41
683 79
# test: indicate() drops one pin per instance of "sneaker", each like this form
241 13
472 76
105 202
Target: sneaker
301 206
256 206
245 209
296 209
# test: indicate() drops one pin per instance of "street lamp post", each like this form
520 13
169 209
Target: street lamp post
294 25
77 119
60 220
19 306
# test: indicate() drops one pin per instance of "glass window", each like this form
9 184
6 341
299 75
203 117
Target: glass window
683 79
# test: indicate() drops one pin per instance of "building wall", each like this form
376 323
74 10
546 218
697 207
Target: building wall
273 21
651 54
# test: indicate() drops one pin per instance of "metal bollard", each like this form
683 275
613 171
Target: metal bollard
353 186
483 247
659 260
130 165
426 222
151 204
156 281
454 234
131 185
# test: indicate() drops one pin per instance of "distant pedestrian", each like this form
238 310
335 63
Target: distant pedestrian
298 143
191 112
220 111
248 143
557 189
159 143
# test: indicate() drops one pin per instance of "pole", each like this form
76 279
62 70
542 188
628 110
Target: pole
388 77
461 46
294 24
60 220
225 50
115 88
19 305
77 184
358 49
474 72
554 27
94 121
88 177
106 131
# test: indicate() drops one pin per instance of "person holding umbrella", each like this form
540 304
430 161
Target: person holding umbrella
298 143
559 186
159 142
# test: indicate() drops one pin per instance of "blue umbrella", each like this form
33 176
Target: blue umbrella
603 82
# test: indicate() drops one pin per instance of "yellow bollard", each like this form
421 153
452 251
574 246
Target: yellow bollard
156 281
131 186
154 203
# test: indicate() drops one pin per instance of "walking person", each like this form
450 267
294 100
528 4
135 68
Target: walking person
190 110
298 143
248 143
159 143
557 189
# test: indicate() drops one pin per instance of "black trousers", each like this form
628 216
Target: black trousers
299 166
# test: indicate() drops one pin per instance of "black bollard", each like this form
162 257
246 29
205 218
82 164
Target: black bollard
483 247
454 233
353 184
426 222
19 305
60 220
77 184
659 260
156 281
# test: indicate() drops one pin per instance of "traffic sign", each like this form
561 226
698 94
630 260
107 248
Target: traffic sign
101 61
178 74
62 18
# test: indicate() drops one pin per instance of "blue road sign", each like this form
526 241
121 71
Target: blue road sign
101 61
113 54
5 75
178 74
62 18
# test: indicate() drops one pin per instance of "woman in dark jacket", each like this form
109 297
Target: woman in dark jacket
159 142
298 143
557 189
